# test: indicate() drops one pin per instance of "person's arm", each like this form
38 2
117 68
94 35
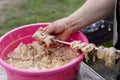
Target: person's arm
90 12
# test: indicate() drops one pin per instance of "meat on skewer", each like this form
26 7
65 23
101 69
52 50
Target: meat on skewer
103 53
41 36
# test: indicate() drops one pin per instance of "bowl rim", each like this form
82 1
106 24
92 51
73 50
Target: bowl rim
55 69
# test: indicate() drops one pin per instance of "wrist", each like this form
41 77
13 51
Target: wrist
76 23
68 20
71 24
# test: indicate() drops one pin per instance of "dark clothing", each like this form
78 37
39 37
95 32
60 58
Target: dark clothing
117 43
117 30
118 76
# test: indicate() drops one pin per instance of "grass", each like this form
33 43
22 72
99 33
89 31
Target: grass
35 11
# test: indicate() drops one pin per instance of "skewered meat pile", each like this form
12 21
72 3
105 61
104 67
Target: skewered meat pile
37 56
43 37
103 53
84 47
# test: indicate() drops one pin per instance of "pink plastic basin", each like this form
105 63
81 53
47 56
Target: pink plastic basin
10 40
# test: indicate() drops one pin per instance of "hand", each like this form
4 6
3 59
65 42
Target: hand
61 28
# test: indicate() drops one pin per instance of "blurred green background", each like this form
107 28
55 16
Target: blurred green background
35 11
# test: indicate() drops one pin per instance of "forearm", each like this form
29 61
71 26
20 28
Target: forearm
90 12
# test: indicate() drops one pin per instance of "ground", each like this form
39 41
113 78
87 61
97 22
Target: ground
46 13
5 4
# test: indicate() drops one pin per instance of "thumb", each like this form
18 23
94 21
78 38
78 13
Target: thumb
50 29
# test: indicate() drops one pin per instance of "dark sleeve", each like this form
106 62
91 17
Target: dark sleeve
117 45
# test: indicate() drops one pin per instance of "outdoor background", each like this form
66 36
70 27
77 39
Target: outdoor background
14 13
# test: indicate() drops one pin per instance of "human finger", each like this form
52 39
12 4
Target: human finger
50 29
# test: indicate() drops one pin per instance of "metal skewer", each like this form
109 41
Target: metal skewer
60 41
